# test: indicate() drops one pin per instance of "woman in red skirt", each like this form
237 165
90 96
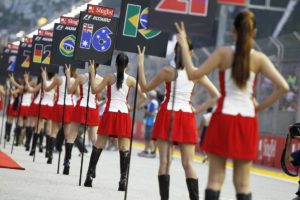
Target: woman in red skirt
183 122
115 121
58 83
24 119
79 113
233 129
37 110
11 112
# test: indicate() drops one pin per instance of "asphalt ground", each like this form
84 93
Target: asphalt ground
40 181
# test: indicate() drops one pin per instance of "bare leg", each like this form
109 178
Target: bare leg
216 174
93 134
101 141
163 148
241 176
187 159
71 136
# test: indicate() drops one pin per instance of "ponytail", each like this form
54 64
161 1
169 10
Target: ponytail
245 26
178 53
121 62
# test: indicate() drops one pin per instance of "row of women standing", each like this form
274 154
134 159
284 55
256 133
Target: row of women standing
233 129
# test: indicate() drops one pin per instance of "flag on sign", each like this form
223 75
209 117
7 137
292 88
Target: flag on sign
87 32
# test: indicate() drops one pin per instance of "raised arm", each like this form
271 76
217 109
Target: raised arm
98 88
213 91
281 86
14 92
131 82
14 82
2 91
28 85
55 82
71 88
211 63
166 74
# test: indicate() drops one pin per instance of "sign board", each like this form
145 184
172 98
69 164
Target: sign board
96 35
133 30
198 15
41 55
63 46
8 63
23 58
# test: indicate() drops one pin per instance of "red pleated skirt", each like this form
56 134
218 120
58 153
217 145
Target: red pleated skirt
10 111
115 124
57 113
184 127
79 115
34 110
24 111
231 136
1 104
46 112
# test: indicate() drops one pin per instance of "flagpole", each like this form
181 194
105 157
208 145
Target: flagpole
85 127
62 124
39 115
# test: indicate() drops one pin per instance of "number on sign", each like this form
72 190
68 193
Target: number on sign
26 61
190 7
101 40
41 51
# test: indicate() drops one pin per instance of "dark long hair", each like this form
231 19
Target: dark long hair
178 53
121 62
245 25
50 75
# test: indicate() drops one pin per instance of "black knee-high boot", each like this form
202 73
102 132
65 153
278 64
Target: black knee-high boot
41 139
192 185
51 143
7 131
29 131
47 146
124 164
17 134
244 196
60 138
34 142
211 194
91 173
68 154
164 186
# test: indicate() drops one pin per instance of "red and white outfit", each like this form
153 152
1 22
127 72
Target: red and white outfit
35 105
116 121
233 129
57 113
25 104
10 108
47 103
184 128
79 113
